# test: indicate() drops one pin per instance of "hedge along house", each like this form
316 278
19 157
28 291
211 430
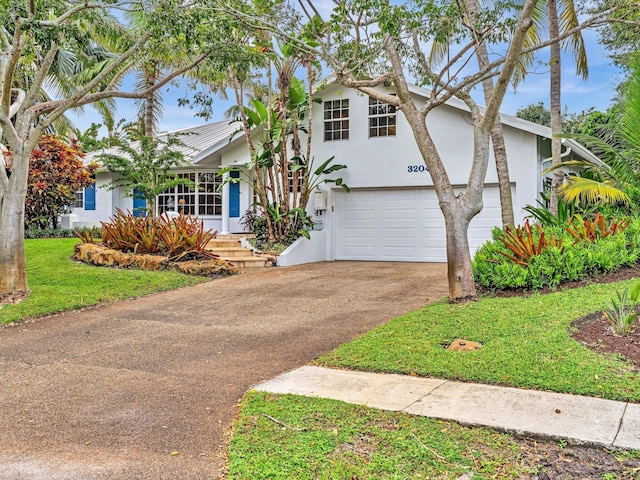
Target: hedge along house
391 213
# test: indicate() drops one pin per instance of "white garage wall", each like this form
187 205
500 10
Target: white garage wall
395 162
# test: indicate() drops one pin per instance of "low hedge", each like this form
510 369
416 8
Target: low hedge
573 260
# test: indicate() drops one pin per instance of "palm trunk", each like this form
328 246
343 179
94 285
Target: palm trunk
555 104
149 102
502 169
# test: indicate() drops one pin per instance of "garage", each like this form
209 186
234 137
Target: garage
396 224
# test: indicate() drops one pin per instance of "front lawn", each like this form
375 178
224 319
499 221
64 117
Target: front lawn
281 437
526 344
59 283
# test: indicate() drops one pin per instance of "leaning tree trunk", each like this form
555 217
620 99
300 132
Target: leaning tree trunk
555 105
13 268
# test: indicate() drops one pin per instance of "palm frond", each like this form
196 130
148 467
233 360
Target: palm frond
568 20
586 190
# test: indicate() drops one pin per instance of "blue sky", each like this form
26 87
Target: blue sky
577 95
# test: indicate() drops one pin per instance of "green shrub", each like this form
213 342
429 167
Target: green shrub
34 232
554 265
622 310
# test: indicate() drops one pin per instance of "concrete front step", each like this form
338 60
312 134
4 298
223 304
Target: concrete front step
230 252
222 243
234 236
228 248
248 262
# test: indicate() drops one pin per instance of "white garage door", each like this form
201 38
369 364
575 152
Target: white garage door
402 225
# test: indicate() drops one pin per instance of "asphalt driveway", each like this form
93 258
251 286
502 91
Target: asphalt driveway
149 388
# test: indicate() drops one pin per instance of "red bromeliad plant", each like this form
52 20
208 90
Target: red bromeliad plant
183 236
178 238
524 244
584 230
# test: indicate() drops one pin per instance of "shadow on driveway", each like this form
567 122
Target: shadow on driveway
147 388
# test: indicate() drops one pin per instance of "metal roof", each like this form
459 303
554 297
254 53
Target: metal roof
199 141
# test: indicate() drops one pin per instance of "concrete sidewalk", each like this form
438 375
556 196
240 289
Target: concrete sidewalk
579 419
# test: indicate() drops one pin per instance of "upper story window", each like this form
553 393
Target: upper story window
336 119
382 119
292 176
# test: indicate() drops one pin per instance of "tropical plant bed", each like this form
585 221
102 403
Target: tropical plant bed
193 264
595 332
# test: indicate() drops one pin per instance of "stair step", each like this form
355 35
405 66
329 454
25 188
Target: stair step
220 243
248 262
230 252
234 236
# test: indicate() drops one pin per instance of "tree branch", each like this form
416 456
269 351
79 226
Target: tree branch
40 77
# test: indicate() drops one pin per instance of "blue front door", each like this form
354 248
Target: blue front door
234 195
139 205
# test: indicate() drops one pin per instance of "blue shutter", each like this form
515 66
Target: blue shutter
90 197
139 204
234 195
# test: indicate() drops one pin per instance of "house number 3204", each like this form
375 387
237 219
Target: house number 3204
417 168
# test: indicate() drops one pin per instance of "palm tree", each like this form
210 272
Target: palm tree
616 173
559 17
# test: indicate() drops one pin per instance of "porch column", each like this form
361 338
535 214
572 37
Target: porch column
225 204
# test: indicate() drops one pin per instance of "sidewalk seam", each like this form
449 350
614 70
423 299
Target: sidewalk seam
426 395
626 405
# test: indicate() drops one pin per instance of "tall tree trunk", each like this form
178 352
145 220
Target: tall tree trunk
555 76
13 266
497 135
458 210
502 169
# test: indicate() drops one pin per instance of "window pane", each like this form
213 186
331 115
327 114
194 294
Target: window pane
381 115
336 119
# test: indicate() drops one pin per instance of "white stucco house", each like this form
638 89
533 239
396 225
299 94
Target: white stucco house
391 213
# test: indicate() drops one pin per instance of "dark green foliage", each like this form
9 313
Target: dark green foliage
180 238
34 232
298 224
554 265
542 215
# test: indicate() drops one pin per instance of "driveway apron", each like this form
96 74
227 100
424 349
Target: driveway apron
149 388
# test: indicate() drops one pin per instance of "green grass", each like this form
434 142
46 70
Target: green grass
526 341
344 441
58 283
527 344
288 436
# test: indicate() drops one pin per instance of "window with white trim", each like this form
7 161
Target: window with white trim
382 119
79 199
336 119
291 178
209 194
206 199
